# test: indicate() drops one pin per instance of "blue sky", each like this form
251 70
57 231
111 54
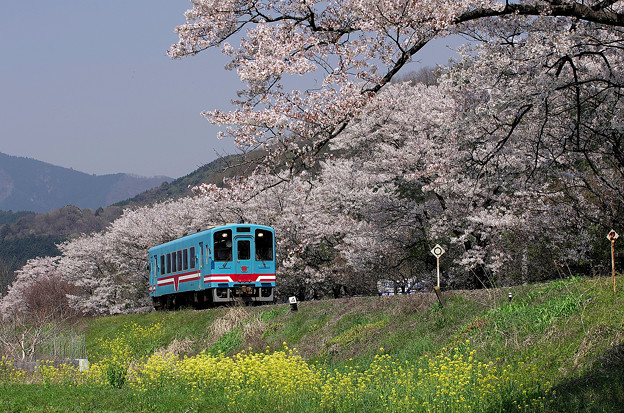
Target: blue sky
87 85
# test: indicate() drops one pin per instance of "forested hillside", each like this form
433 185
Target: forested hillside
36 235
10 217
213 173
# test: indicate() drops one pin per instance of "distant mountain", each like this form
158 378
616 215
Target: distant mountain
30 185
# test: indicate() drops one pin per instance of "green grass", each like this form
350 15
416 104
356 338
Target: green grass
570 331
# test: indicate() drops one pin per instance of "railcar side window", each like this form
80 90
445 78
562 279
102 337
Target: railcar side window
179 255
162 265
244 250
223 245
264 245
168 262
185 259
192 252
174 268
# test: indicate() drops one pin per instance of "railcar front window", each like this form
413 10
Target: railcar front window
244 250
264 245
223 245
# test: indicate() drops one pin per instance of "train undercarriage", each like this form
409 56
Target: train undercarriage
244 294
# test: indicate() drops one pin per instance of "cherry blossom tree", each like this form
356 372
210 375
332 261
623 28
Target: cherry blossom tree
38 292
415 143
541 99
536 104
553 93
345 51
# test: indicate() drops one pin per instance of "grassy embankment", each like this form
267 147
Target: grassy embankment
557 346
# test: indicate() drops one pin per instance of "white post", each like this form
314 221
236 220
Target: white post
438 272
612 237
613 262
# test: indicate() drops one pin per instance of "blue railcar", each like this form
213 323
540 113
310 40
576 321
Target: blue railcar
217 265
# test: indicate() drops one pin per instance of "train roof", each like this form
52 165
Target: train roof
202 232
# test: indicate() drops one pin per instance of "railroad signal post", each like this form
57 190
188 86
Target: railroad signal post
437 251
612 237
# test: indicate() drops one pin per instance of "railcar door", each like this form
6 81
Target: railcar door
244 264
201 257
199 264
153 274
